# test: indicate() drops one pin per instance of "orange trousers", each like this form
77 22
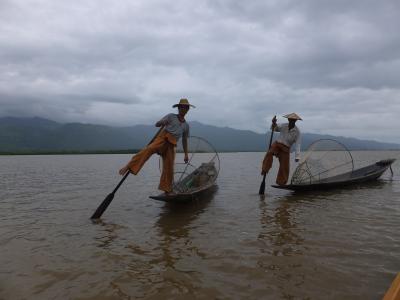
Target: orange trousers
164 144
283 153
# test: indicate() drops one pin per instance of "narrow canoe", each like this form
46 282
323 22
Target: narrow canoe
368 173
184 197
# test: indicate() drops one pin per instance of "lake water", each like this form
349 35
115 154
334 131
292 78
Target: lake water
230 244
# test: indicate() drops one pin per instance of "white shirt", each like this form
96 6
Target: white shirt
289 137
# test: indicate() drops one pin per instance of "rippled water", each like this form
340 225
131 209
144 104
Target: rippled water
230 244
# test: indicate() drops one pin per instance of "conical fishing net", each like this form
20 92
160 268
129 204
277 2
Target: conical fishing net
202 169
323 160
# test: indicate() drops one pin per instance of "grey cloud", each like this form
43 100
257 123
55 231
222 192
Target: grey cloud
63 107
318 39
77 60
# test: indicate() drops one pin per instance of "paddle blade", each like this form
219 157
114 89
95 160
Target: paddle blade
103 206
262 187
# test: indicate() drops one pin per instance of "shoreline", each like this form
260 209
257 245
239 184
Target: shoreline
66 152
128 151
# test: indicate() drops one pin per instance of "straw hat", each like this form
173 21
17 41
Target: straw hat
293 116
183 101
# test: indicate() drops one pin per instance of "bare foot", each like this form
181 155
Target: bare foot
123 170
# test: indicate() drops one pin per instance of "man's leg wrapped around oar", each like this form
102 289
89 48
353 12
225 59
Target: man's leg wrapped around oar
283 153
164 144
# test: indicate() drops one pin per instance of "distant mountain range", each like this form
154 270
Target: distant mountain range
38 134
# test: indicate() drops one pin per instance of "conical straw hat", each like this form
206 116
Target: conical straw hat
183 101
292 116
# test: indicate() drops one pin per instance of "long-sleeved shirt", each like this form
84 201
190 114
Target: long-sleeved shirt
289 137
174 126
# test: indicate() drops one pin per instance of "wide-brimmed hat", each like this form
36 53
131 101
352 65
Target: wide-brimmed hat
183 101
293 116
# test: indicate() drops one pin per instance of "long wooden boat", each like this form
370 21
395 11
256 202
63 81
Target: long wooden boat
193 185
186 196
368 173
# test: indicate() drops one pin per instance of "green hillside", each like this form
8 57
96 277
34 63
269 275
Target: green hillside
42 135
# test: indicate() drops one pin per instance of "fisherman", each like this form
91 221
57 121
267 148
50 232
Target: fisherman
175 126
289 134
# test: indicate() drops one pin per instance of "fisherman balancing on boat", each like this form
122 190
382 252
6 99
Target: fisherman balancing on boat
289 135
175 127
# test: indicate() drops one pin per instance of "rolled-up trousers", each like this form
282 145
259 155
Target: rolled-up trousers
282 152
164 144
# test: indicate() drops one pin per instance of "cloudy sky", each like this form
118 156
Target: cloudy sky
335 63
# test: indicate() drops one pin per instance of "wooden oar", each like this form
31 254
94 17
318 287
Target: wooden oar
393 293
106 202
262 186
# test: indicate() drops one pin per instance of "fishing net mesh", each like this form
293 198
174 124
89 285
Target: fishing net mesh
202 169
324 159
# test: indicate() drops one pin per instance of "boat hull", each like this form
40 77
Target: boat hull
365 174
184 197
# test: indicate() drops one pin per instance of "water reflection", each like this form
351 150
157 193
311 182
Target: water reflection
109 234
281 245
279 227
175 223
